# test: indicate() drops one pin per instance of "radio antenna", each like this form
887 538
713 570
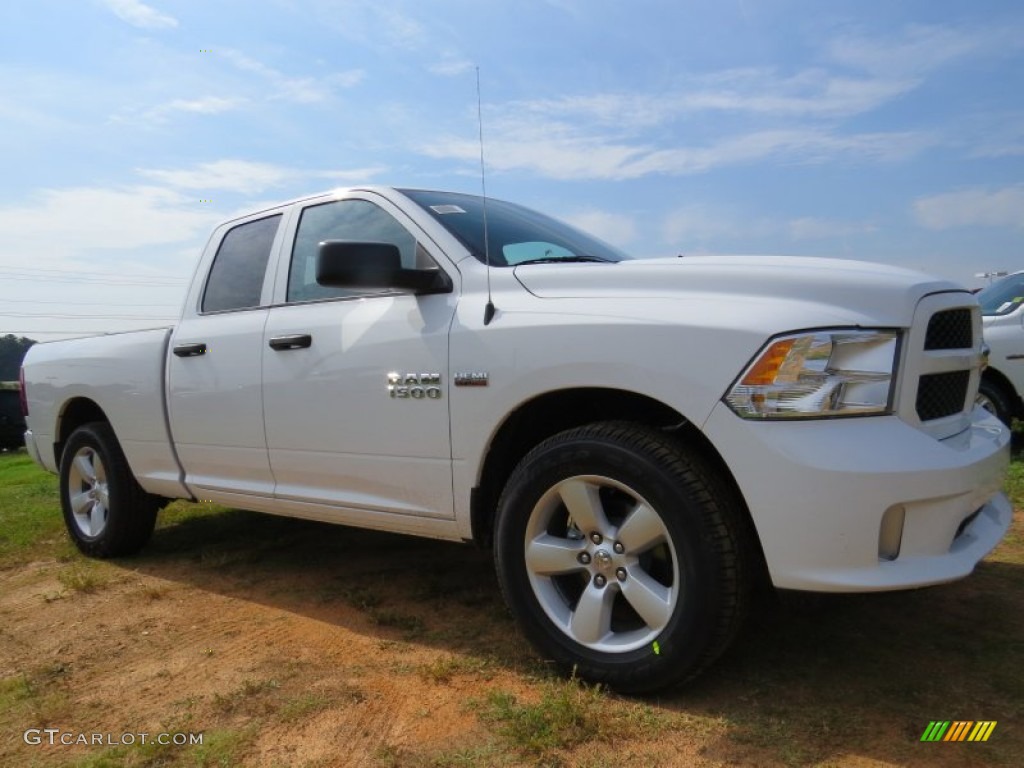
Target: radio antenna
489 308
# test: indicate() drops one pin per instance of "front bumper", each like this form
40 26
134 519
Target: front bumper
817 492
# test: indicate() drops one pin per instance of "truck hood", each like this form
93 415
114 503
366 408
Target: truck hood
857 289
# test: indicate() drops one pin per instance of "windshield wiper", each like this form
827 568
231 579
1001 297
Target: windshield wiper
564 260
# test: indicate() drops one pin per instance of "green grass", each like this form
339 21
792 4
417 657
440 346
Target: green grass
220 749
568 714
30 517
858 675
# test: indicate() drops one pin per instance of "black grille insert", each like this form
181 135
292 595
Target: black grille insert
942 394
950 329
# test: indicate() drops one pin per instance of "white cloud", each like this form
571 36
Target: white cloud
696 226
973 207
615 228
206 105
251 178
302 90
451 65
919 50
75 219
563 151
691 226
139 14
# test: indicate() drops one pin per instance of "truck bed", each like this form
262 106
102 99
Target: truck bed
123 374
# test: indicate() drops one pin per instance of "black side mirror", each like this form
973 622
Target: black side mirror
347 264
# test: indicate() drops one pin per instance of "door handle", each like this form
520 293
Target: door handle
190 350
294 341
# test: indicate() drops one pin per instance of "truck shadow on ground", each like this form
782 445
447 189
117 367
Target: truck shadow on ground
812 681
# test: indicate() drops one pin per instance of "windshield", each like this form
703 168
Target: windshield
1003 296
515 235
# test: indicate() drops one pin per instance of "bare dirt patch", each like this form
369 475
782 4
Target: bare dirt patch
289 643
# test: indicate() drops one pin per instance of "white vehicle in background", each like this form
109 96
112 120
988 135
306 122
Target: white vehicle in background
1002 315
639 441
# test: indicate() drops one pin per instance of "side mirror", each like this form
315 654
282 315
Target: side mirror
347 264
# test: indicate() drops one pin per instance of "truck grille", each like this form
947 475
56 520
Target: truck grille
950 329
942 394
942 364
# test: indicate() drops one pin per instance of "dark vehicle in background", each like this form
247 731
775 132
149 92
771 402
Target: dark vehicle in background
12 423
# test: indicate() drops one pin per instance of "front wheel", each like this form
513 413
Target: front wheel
993 399
106 512
622 555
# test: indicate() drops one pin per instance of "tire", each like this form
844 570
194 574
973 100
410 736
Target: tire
106 513
994 399
646 581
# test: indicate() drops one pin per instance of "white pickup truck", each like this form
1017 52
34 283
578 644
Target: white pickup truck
1002 315
639 441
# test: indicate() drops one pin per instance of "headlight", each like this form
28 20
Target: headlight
817 374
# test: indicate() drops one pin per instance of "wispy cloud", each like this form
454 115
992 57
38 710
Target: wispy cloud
563 151
251 178
76 219
984 207
206 105
451 65
697 225
919 49
139 14
616 228
701 225
758 113
303 90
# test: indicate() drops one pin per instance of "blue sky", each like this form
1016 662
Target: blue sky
888 131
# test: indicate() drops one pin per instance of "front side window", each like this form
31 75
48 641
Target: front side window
354 220
236 277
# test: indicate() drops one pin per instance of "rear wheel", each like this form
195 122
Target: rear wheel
621 555
106 512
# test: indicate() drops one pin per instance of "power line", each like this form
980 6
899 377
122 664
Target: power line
81 303
90 273
88 281
88 317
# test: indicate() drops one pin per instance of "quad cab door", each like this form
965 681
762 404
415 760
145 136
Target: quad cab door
355 382
215 399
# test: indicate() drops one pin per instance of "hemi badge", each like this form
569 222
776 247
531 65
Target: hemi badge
472 379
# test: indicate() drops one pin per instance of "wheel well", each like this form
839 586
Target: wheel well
76 412
999 379
554 412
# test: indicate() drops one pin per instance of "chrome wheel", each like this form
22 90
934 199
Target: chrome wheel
601 563
88 492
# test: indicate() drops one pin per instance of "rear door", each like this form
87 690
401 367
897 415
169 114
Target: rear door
340 433
215 398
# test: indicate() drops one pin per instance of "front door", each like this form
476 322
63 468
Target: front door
355 383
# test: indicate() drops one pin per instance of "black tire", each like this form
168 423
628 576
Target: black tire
106 512
993 398
686 567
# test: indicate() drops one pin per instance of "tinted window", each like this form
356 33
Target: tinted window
1003 296
514 234
236 277
355 220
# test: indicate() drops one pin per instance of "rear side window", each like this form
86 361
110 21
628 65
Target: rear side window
236 277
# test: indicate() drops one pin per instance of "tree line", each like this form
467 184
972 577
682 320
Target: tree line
12 352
